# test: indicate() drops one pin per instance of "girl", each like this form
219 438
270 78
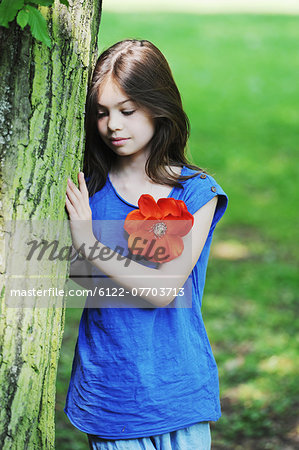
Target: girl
143 377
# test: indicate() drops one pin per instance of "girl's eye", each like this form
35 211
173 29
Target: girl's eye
125 113
128 113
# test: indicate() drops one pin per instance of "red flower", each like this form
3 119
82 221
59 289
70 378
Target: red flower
156 228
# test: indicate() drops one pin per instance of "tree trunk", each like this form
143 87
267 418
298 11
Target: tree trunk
42 100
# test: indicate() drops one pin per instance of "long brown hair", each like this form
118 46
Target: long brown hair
141 70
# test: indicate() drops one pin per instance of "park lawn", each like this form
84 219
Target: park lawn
238 76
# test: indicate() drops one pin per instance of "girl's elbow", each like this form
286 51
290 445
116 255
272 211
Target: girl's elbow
164 291
161 302
166 303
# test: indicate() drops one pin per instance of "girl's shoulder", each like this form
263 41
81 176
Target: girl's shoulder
199 181
99 191
99 196
200 189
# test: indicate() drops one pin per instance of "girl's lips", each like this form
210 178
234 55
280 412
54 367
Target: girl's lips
119 141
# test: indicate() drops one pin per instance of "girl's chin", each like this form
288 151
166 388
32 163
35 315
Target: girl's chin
125 152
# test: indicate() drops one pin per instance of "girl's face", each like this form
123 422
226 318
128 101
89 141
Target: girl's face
124 126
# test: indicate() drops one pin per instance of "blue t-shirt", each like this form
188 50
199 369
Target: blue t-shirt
139 372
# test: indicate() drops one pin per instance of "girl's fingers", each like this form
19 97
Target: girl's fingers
82 184
82 187
79 201
75 195
71 210
73 188
74 199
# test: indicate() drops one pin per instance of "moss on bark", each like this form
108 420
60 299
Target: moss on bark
42 99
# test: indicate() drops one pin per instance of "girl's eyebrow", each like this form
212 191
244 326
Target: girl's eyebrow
120 103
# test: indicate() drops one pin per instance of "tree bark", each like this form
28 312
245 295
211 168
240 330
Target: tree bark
42 101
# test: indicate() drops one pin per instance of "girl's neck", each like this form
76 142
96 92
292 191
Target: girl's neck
128 166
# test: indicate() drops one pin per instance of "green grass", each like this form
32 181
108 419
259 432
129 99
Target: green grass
238 76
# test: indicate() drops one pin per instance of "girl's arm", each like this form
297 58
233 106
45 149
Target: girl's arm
171 275
80 272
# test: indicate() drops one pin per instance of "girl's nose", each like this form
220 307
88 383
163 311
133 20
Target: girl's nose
114 122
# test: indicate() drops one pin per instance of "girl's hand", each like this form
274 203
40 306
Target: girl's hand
77 205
